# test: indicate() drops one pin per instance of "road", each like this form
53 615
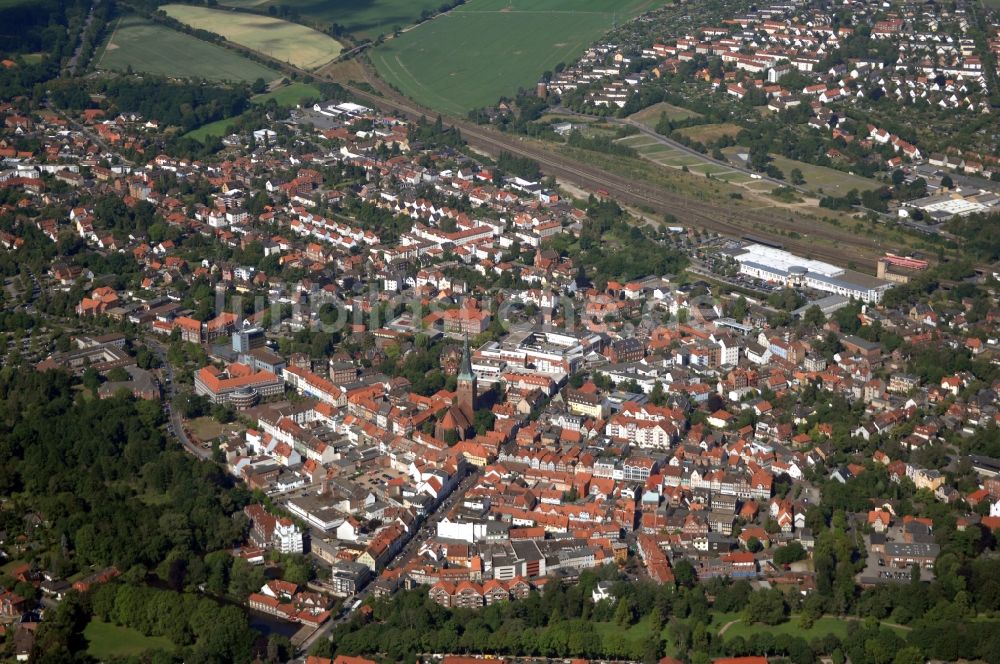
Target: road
175 423
91 136
427 528
74 61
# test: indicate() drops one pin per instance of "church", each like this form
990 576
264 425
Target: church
460 416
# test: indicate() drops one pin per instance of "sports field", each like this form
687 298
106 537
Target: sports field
362 18
154 49
281 40
486 49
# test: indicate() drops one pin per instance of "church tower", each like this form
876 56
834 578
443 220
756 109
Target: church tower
465 392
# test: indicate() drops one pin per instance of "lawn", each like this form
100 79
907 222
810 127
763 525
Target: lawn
281 40
154 49
363 18
650 115
830 180
486 49
711 132
825 625
206 428
8 566
105 641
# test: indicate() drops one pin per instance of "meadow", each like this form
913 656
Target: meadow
106 641
486 49
710 132
650 115
817 178
281 40
154 49
362 18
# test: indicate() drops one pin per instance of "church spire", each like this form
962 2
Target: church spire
465 369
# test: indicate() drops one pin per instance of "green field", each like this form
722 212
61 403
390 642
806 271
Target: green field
154 49
105 641
486 49
281 40
829 180
363 18
650 115
288 95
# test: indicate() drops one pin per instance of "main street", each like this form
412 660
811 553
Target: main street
427 528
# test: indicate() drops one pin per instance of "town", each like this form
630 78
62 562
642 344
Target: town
345 376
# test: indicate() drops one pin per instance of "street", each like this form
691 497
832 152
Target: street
174 421
427 528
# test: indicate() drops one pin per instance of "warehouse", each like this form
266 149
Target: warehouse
779 266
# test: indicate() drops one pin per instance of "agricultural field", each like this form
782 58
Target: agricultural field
281 40
711 132
486 49
650 115
817 178
154 49
362 18
106 641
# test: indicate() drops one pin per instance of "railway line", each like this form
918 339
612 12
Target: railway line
838 247
688 210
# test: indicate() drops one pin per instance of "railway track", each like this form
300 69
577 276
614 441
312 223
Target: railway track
686 209
840 248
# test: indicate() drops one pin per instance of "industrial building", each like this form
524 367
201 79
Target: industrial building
779 266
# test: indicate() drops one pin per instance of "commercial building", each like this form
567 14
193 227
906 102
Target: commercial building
779 266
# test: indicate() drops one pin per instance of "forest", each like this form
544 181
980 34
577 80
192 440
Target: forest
104 487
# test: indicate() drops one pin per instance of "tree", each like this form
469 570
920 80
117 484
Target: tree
814 316
790 553
947 182
796 177
684 573
91 379
767 607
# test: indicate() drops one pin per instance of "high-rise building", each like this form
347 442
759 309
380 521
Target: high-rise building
247 338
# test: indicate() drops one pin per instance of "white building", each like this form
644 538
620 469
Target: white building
779 266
